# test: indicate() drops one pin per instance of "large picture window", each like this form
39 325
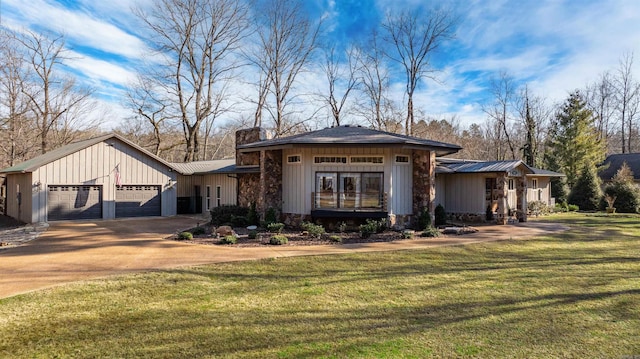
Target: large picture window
349 190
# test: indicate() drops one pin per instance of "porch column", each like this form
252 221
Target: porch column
503 193
270 181
424 182
521 191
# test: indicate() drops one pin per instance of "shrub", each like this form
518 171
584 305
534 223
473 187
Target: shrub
342 227
275 227
225 214
424 220
278 239
369 228
314 230
197 231
561 207
335 238
239 221
228 239
185 236
624 190
252 235
407 234
538 208
573 208
441 215
381 225
252 215
430 232
270 216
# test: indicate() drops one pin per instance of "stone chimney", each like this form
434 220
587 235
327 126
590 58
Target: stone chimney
245 136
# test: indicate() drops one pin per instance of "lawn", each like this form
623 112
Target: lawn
573 295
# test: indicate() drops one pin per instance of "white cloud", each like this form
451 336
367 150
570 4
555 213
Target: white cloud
99 71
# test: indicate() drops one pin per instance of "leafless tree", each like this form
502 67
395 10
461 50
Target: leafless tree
628 100
414 36
499 114
56 101
198 40
342 79
15 125
533 116
286 39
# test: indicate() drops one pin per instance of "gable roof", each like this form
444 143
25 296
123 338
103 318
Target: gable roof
613 163
352 136
53 155
449 165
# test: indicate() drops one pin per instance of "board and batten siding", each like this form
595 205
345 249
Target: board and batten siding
464 193
298 179
543 189
95 165
228 188
23 183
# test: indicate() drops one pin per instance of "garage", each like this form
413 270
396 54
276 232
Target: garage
138 201
74 202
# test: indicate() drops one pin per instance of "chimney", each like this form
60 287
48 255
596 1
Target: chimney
245 136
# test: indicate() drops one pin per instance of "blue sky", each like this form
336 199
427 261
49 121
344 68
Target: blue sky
553 46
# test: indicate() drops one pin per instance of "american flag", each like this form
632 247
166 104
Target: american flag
118 181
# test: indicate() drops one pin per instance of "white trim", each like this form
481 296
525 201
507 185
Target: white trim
315 158
395 159
368 160
289 157
207 198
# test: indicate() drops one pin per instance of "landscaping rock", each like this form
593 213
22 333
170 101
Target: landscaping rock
225 231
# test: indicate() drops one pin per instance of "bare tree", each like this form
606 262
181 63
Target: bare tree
415 36
198 39
601 101
342 79
499 114
56 102
287 37
15 125
533 115
627 96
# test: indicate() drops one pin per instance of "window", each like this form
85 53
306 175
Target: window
330 159
294 159
218 195
367 159
402 159
349 190
512 184
207 203
534 183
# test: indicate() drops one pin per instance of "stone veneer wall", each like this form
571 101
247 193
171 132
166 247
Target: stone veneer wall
245 136
271 181
424 181
248 189
502 194
521 190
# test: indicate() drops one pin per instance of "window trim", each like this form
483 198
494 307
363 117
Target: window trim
346 160
298 155
381 158
336 186
511 184
218 196
395 159
207 198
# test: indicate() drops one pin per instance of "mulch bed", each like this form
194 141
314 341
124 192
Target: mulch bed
295 238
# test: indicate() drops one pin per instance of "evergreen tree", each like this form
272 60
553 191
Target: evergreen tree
573 140
586 192
625 191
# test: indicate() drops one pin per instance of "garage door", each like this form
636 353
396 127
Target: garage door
137 201
74 202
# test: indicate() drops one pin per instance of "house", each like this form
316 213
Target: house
612 164
469 189
334 174
343 172
103 177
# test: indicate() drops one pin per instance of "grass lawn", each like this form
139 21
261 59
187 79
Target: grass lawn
573 295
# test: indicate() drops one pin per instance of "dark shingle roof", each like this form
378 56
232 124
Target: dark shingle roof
39 161
613 163
353 136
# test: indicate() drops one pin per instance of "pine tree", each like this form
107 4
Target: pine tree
573 140
586 192
624 190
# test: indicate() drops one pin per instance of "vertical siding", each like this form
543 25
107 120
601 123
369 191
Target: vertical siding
544 187
465 193
228 189
299 179
22 212
95 165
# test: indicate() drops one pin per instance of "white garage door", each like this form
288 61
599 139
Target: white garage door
74 202
137 201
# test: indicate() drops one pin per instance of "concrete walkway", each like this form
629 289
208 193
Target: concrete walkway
74 251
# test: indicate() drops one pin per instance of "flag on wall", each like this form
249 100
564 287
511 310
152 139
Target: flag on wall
118 181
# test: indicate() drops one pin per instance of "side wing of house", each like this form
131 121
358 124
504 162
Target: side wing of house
19 190
539 189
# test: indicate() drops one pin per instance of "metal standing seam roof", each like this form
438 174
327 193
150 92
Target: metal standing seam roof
462 166
189 168
53 155
352 135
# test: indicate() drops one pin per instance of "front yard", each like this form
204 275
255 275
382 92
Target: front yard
573 295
